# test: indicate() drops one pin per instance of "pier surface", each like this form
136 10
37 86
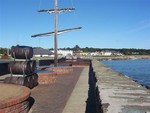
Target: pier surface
52 98
78 98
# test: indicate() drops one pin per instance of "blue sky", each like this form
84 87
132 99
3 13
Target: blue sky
105 23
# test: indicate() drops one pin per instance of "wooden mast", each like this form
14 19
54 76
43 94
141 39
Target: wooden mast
56 36
56 10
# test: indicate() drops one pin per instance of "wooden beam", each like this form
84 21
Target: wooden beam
58 10
52 33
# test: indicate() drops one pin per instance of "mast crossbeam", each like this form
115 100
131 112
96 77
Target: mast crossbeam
52 33
58 10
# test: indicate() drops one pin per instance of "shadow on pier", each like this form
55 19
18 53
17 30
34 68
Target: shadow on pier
93 103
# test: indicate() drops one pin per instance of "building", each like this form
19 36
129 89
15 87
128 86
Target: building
40 52
106 53
84 54
95 54
64 53
110 53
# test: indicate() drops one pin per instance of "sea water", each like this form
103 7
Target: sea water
138 70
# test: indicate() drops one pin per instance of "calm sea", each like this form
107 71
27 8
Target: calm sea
138 70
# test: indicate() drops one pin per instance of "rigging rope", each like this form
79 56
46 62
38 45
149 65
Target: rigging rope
39 8
72 4
39 42
40 4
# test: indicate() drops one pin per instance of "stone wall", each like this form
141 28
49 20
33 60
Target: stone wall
119 94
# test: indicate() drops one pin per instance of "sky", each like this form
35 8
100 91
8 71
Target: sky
105 23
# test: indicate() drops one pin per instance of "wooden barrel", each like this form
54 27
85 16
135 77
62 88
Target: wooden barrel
20 67
21 52
17 80
22 81
35 79
32 65
7 80
30 82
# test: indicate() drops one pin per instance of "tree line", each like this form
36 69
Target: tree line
77 48
3 50
125 51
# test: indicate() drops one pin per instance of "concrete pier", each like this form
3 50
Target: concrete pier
90 89
119 94
99 89
77 100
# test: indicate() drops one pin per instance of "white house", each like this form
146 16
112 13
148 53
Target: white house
106 53
64 53
110 53
94 53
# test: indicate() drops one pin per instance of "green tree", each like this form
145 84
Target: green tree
76 48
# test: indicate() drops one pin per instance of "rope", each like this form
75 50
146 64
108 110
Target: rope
23 69
72 4
25 52
14 55
40 4
11 71
39 42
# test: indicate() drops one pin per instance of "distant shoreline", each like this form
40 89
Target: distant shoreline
128 57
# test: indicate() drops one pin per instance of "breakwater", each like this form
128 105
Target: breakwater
119 94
